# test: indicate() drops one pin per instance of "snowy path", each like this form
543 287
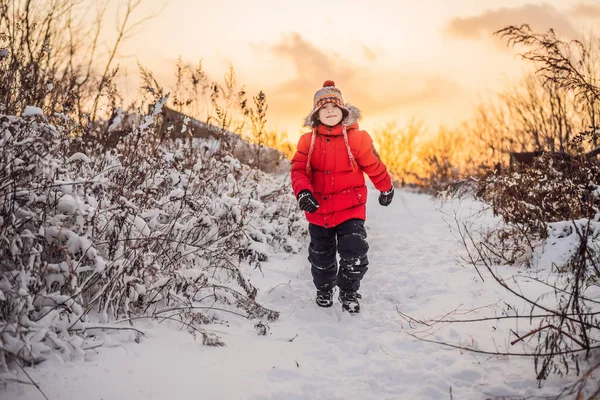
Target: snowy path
314 353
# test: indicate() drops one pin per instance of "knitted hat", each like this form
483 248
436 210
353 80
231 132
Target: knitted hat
327 94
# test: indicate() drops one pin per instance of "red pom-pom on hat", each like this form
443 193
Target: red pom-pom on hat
328 83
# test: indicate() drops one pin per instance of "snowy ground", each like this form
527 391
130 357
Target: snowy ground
314 353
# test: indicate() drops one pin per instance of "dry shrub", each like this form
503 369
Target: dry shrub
556 187
427 162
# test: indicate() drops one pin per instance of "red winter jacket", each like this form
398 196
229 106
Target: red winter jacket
339 189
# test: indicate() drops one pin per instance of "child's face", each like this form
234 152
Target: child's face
330 114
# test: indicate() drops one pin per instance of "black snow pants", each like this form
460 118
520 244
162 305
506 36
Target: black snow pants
349 239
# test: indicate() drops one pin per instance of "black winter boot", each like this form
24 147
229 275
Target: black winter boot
324 298
349 301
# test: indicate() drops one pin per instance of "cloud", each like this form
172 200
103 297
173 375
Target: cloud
369 54
586 10
539 17
374 90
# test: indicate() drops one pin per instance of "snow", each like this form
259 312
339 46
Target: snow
414 279
79 157
117 117
30 111
149 119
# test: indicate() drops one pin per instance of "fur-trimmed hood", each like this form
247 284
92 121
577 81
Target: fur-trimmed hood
353 112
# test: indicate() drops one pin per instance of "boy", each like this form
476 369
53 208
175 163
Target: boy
328 181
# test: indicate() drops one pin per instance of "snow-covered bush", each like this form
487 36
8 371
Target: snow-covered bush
550 219
89 239
554 188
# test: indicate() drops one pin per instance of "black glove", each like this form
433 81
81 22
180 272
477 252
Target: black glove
307 201
385 198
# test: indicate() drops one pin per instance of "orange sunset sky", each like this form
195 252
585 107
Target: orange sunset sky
394 59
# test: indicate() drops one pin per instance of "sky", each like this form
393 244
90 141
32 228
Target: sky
394 60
